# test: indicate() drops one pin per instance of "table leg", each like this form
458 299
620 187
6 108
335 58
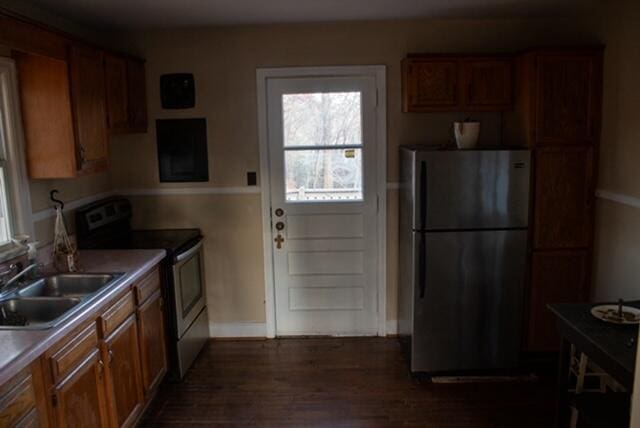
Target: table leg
562 396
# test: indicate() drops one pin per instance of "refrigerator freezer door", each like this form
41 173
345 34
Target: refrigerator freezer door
468 300
475 189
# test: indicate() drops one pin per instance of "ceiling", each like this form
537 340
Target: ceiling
149 14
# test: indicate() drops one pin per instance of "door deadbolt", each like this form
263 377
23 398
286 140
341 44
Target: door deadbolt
279 212
279 225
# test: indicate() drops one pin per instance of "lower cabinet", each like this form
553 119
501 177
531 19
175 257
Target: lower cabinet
152 344
102 374
123 378
79 400
19 400
556 277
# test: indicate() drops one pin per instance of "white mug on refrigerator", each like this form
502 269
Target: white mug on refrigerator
466 134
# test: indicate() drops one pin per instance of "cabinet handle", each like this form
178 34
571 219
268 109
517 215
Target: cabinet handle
82 155
100 368
103 326
110 356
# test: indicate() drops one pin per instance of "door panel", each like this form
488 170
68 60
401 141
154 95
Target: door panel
80 398
115 72
322 152
124 380
563 206
556 277
457 181
468 300
568 93
431 84
89 105
487 83
153 350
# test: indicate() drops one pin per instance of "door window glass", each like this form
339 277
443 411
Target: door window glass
322 146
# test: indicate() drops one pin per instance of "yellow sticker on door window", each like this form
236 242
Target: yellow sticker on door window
349 153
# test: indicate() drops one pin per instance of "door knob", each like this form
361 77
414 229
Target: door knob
279 225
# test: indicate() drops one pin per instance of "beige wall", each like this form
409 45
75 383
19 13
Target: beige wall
224 62
69 190
617 254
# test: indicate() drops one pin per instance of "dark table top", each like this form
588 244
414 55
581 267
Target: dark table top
612 347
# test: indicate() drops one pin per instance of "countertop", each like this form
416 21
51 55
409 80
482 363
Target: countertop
19 348
613 347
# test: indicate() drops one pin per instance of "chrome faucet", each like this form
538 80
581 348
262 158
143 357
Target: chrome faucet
5 284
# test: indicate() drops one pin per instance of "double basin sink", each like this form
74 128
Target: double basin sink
47 301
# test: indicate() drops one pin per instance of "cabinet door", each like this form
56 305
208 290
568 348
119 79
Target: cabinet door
115 73
79 400
431 84
564 192
152 341
487 84
567 98
47 116
88 100
556 277
124 382
137 96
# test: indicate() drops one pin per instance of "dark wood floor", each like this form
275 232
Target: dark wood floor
341 382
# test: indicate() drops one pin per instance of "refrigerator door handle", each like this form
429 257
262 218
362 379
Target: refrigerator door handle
422 263
423 195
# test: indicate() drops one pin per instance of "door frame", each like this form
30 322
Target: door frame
378 72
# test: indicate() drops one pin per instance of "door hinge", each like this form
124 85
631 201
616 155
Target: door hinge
54 400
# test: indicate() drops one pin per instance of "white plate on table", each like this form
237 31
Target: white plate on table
609 313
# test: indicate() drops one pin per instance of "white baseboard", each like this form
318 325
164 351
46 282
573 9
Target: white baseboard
259 329
240 329
392 327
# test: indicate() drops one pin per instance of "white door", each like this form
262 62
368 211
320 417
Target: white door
322 158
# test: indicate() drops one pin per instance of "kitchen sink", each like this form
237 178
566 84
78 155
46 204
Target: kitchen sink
34 312
47 301
67 285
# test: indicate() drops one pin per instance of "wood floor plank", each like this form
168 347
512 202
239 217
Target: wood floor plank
336 382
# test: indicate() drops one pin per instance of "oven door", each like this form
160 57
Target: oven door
189 286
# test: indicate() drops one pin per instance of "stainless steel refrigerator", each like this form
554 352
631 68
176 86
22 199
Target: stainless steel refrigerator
463 246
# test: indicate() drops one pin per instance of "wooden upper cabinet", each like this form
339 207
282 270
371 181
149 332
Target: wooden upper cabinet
152 341
64 113
137 96
556 277
115 75
567 98
487 83
47 116
126 94
89 103
431 84
124 381
80 400
434 83
563 203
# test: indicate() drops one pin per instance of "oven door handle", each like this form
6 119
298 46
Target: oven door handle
191 251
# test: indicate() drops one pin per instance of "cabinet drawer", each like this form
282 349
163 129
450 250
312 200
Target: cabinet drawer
16 403
116 314
147 285
66 359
